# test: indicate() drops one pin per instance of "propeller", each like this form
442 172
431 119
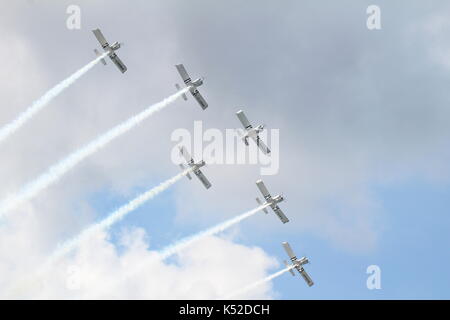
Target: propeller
309 261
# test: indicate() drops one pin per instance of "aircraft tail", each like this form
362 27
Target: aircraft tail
98 55
288 266
261 203
179 88
184 168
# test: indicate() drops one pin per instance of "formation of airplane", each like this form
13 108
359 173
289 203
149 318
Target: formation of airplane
110 49
195 167
193 85
251 132
272 201
297 264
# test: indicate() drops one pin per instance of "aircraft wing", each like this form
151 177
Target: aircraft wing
280 214
263 189
202 178
261 145
240 114
118 62
99 35
183 73
289 250
306 276
186 154
199 98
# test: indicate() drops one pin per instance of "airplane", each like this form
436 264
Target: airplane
110 49
195 167
272 201
251 132
193 85
297 263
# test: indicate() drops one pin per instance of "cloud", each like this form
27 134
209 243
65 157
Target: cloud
207 270
356 109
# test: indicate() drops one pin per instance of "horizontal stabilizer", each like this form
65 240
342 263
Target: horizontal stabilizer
261 203
187 174
98 55
179 88
289 266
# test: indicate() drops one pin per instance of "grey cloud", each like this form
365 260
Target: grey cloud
354 107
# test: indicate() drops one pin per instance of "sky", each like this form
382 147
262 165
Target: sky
364 133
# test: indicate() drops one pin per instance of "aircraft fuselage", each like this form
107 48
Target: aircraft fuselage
197 83
253 132
197 165
298 263
272 201
111 48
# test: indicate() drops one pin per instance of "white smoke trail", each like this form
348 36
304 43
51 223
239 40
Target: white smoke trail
114 217
93 229
55 172
43 101
186 242
178 247
258 283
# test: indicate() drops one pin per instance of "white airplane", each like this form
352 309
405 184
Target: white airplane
195 167
297 263
192 86
110 49
251 132
272 201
